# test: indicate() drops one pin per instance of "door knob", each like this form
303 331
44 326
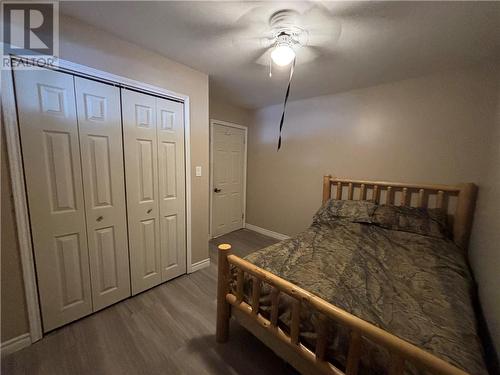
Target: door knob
217 190
149 211
99 218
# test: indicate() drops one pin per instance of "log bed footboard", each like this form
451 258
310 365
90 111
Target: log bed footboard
288 346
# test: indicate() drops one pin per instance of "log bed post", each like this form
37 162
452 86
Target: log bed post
327 188
223 308
464 214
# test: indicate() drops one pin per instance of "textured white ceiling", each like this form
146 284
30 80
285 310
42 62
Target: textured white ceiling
379 41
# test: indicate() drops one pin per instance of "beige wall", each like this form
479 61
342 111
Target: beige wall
13 306
430 129
221 109
433 129
85 45
485 241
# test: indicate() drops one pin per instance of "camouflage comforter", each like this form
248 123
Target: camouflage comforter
414 286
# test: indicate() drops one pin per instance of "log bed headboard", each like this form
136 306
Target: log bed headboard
458 200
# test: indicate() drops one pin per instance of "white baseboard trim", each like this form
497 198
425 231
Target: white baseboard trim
200 265
15 344
267 232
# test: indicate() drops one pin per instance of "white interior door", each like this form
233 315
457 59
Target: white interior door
228 155
100 129
141 172
170 120
51 155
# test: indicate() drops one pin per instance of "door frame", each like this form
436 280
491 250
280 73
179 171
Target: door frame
237 126
9 113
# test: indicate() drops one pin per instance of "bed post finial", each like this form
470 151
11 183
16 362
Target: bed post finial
223 308
327 187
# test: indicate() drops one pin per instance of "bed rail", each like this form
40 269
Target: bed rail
288 346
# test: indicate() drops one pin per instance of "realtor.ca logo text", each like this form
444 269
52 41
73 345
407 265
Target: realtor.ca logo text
30 30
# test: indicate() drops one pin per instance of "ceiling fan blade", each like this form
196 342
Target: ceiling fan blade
256 19
322 27
306 54
250 42
265 57
316 16
365 9
323 39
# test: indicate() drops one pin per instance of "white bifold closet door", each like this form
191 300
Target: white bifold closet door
100 130
154 160
81 266
51 155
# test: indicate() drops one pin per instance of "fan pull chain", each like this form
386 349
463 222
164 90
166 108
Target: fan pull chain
286 100
270 67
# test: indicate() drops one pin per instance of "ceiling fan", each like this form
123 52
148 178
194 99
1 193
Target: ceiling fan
288 34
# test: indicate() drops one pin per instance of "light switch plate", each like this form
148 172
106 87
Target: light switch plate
198 171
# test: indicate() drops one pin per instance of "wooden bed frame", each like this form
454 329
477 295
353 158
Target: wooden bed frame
288 346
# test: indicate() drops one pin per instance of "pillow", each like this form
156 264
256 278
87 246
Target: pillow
428 222
354 211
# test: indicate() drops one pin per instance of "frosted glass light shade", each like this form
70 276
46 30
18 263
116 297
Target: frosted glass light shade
283 55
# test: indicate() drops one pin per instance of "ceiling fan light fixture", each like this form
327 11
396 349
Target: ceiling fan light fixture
283 54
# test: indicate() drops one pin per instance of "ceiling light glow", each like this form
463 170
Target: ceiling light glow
283 54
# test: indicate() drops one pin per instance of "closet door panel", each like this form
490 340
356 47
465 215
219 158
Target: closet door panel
99 121
170 119
51 156
141 171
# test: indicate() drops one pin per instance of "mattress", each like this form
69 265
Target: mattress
416 287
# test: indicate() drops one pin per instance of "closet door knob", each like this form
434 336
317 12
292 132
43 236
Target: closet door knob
149 211
100 218
217 190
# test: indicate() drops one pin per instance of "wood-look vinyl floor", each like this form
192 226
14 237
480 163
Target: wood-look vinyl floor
166 330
